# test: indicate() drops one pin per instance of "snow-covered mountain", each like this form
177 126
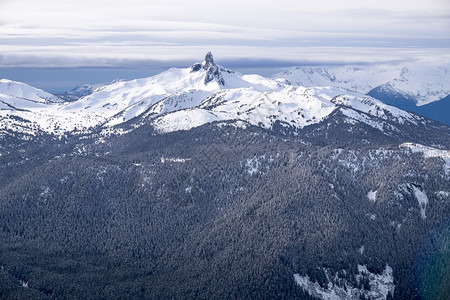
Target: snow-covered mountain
411 87
352 78
423 84
181 99
22 106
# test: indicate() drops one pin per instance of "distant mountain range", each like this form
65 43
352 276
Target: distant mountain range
418 88
181 99
81 91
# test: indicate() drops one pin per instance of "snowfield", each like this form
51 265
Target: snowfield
24 93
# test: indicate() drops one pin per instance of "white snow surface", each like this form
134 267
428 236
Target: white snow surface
422 199
424 83
179 99
22 94
372 195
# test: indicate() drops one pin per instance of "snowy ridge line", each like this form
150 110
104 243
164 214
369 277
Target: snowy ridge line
423 83
26 92
184 98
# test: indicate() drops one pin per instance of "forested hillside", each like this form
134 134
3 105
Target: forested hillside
221 212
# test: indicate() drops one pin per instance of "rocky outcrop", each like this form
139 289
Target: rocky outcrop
213 71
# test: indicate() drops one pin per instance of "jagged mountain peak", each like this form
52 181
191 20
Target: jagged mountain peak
209 61
213 71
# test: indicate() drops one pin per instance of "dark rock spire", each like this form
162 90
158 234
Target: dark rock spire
209 61
212 70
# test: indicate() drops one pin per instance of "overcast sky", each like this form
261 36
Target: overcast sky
73 33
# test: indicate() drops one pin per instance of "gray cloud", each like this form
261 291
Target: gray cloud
100 33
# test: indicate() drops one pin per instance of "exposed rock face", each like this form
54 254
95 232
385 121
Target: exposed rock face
196 67
212 70
209 61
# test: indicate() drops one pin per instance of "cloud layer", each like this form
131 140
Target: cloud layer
113 33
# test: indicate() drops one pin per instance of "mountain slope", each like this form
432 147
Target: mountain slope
437 110
17 96
121 101
18 91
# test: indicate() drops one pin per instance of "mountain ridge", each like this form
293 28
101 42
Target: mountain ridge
422 83
412 87
184 98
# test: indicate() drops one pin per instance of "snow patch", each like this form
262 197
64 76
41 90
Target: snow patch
372 217
252 166
372 195
422 199
443 194
380 285
361 250
174 159
45 192
23 283
64 179
184 120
